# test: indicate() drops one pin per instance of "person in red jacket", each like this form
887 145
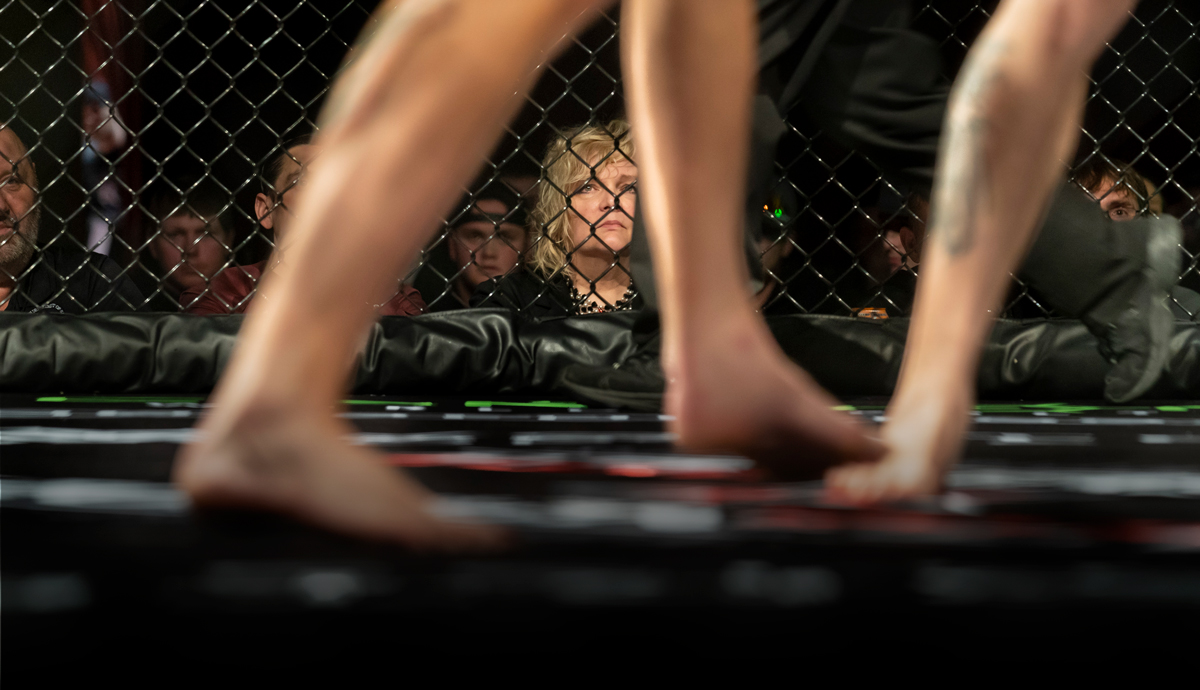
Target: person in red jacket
232 290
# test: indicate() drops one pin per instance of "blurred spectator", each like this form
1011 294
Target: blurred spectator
191 242
58 279
775 244
103 136
1124 195
232 290
583 222
486 241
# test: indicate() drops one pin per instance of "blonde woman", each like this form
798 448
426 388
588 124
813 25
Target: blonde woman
582 222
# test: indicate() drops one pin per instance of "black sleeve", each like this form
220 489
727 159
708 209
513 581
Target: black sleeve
110 289
877 88
493 293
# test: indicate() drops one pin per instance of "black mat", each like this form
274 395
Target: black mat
1065 522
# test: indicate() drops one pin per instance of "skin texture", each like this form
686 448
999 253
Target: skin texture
1013 121
19 212
601 225
483 250
271 441
191 250
729 387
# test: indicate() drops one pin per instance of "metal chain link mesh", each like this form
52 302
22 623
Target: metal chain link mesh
164 137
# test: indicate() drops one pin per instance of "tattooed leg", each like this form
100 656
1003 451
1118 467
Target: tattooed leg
405 127
1012 124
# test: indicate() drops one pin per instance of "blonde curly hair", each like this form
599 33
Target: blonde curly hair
570 161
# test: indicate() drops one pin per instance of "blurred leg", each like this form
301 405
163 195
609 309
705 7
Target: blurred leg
403 130
1013 120
690 72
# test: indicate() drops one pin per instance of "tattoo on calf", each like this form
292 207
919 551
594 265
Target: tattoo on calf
963 180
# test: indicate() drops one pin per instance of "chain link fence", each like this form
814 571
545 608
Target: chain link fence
168 136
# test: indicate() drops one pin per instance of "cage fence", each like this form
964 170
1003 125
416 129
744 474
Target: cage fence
169 135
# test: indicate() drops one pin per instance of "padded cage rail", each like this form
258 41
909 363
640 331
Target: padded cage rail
494 351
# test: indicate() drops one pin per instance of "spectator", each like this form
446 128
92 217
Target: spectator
774 244
58 279
104 136
579 261
896 231
232 290
1124 194
191 243
883 285
486 241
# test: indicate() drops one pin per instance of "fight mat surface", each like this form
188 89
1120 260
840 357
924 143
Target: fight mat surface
1066 523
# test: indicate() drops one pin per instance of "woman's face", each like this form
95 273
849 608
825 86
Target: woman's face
601 220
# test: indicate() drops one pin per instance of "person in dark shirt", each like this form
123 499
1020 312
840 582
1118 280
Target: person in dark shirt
55 280
583 221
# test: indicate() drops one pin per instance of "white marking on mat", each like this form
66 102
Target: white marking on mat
73 436
575 438
94 495
1165 483
1168 439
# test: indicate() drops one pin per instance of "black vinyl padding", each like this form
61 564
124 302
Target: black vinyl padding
496 351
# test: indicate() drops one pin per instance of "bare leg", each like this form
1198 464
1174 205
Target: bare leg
690 74
1014 119
404 129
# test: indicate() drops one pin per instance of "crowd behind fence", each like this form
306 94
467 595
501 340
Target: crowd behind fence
169 135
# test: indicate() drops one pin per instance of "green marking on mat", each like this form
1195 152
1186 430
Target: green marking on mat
1062 408
535 403
111 399
999 409
1177 408
403 403
845 408
1056 408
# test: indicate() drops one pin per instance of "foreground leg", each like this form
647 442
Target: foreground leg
404 128
690 72
1013 120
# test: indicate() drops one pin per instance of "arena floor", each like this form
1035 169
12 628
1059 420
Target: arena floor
1065 523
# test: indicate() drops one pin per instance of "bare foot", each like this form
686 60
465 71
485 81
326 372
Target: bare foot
731 389
924 433
288 463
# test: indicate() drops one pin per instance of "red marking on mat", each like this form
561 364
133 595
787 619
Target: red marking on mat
632 471
482 462
506 463
1176 534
